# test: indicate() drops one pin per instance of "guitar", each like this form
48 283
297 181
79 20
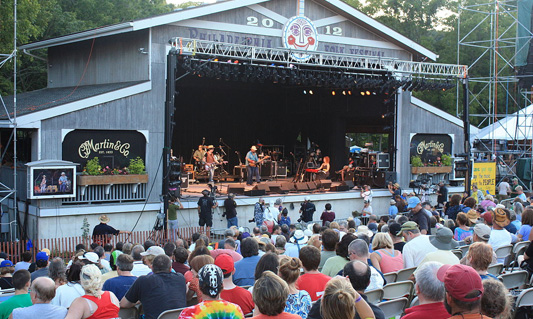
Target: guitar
214 164
259 161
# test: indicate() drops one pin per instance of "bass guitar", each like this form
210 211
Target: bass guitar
254 164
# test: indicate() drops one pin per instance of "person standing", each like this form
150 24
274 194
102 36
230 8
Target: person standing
327 215
307 210
63 182
206 204
251 166
231 210
102 232
259 211
442 194
504 189
199 155
172 215
210 162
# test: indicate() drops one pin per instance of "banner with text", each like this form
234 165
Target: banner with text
484 176
430 147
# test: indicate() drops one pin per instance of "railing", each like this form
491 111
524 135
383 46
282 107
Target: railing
108 193
65 247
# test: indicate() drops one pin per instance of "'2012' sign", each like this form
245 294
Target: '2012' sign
269 23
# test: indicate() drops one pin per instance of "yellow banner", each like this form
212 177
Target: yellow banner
484 176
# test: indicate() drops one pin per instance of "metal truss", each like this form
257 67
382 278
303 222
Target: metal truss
347 62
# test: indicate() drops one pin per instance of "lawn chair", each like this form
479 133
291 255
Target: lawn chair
374 296
518 249
128 313
393 308
405 274
398 289
495 269
525 299
514 280
170 314
390 277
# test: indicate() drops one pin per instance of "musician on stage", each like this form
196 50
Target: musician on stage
199 155
251 166
348 168
323 170
210 162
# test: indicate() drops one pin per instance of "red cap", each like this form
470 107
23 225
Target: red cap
225 262
461 280
487 216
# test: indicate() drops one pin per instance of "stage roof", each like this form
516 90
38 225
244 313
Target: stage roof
516 126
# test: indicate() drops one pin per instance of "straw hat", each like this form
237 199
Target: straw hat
472 215
104 219
500 217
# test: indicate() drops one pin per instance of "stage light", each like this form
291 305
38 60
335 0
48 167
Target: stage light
305 92
349 92
343 92
362 93
311 92
374 93
236 61
332 92
367 92
216 60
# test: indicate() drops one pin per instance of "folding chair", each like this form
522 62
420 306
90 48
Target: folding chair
464 249
495 269
504 252
390 277
458 253
398 290
518 249
170 314
514 280
414 302
525 298
128 313
405 274
374 296
393 308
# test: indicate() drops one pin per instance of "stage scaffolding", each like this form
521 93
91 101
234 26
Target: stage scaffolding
487 43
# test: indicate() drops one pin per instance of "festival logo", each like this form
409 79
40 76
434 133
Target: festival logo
300 34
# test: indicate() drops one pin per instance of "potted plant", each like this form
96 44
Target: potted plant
94 174
417 166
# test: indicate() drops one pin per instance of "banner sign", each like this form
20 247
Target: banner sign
484 176
430 147
113 148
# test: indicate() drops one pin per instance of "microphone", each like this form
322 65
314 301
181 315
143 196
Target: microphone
220 140
203 140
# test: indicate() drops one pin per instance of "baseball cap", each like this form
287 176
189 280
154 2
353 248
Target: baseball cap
41 256
412 202
460 281
482 231
407 226
211 276
487 216
6 263
372 227
153 250
90 256
225 262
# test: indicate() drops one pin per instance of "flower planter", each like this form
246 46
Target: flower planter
86 180
431 170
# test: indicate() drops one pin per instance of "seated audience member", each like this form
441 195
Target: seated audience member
496 301
443 241
42 291
298 301
169 249
527 224
280 245
119 285
244 269
463 229
385 258
6 274
419 215
191 277
464 290
139 268
230 250
358 250
26 261
481 235
314 240
479 257
430 291
270 297
358 273
341 301
297 241
335 264
95 303
330 238
417 245
397 240
106 266
210 280
57 271
41 263
21 299
66 293
312 280
393 209
230 292
180 256
150 254
160 291
268 262
499 236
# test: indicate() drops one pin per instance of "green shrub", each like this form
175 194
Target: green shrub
93 167
416 161
136 166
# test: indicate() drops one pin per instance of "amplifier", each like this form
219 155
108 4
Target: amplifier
268 169
281 170
240 171
185 177
383 161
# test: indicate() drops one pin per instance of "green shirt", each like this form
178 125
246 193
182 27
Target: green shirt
17 301
333 265
173 212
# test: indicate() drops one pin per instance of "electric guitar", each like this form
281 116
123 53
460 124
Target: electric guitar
254 164
208 166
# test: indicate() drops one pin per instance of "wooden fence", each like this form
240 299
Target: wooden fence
65 247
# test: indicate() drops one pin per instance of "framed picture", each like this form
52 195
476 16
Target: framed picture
51 182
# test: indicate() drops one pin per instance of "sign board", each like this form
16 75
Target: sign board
113 148
484 176
430 147
51 179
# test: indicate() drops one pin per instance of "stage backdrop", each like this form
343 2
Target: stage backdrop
113 148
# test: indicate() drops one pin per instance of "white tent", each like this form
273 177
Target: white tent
516 126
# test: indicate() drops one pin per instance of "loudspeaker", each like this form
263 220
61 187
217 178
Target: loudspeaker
301 186
287 187
348 184
379 179
383 161
239 190
276 188
390 177
185 177
281 170
255 192
262 187
325 184
311 185
340 188
268 169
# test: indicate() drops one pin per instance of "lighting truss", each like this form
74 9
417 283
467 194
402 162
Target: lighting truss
252 54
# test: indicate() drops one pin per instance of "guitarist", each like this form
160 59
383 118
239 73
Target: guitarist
210 162
251 166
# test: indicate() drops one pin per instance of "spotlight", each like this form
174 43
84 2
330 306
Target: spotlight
343 92
362 93
311 92
305 92
367 92
349 92
236 61
332 92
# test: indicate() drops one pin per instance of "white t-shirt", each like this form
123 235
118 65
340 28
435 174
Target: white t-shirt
376 281
66 294
503 187
140 269
498 238
416 250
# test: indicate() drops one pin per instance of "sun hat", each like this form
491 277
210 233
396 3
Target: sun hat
364 230
472 215
104 219
154 251
392 202
299 237
210 146
500 217
226 263
443 239
412 202
90 256
460 281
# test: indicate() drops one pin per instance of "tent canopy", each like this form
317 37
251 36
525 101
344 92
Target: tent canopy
516 126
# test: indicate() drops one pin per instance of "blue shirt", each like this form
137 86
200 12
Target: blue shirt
251 156
245 271
119 285
393 210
